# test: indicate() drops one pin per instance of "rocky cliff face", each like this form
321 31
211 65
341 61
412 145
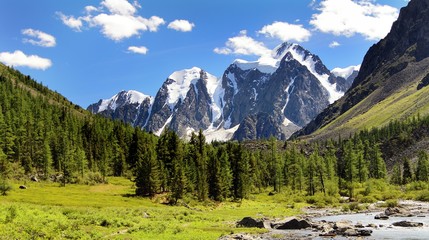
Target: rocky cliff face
251 100
127 106
393 64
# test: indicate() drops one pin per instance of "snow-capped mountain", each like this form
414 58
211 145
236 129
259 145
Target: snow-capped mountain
274 96
129 106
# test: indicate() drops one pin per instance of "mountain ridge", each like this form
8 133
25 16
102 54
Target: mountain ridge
273 96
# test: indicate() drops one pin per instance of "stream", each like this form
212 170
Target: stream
386 231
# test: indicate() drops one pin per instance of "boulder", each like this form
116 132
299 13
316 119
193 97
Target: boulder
364 232
407 224
351 233
22 187
249 222
381 216
398 211
372 225
342 226
34 179
292 224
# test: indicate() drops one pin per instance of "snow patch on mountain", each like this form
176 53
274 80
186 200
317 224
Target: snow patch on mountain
216 93
130 97
263 66
182 80
345 72
221 134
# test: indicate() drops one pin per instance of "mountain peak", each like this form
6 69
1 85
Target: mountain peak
122 98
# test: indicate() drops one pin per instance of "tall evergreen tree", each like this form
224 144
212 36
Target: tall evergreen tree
422 169
148 175
407 175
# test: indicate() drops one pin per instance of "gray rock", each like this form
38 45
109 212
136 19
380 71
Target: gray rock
249 222
22 187
34 179
364 232
381 216
407 224
343 225
292 224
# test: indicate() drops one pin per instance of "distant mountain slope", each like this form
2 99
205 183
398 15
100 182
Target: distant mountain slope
390 83
252 100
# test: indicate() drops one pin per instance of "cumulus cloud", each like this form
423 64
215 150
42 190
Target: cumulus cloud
243 45
20 59
39 38
286 32
334 44
181 25
348 17
139 50
71 22
117 19
121 7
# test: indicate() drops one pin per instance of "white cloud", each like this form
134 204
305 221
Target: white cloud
39 38
334 44
121 7
139 50
118 20
153 23
243 45
71 22
181 25
286 32
20 59
348 17
90 9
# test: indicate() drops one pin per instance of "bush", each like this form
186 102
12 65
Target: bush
367 199
417 186
392 203
423 196
4 187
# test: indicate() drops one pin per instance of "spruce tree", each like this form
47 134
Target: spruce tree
422 170
148 175
407 175
396 175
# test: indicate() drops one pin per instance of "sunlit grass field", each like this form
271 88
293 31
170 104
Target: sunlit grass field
110 211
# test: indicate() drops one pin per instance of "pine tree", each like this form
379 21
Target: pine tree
178 181
350 167
422 170
407 175
148 175
199 157
396 175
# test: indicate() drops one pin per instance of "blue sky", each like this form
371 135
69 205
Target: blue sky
92 49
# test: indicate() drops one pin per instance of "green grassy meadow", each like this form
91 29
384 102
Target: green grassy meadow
110 211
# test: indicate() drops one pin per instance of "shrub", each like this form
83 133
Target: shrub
392 203
423 196
4 187
367 199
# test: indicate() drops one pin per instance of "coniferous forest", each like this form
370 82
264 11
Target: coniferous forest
44 135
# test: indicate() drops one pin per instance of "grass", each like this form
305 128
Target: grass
403 104
48 211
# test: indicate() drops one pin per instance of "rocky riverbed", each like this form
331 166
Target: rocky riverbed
408 220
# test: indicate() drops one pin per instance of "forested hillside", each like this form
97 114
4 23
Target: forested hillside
44 135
